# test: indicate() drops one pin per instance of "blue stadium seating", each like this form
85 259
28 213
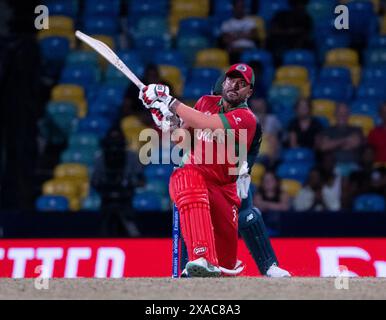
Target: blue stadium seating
63 7
321 9
267 9
103 109
326 42
375 57
101 25
92 202
362 19
285 95
158 172
376 42
102 7
223 9
81 74
366 107
295 171
190 45
133 60
150 26
370 203
94 124
204 74
148 7
335 75
54 48
373 75
171 57
336 91
82 155
52 203
303 155
147 46
195 26
111 94
83 140
150 201
196 89
265 59
375 91
82 57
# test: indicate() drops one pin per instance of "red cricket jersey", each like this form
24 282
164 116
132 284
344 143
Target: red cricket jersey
240 117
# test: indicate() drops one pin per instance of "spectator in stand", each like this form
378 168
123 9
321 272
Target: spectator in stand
271 127
270 196
290 29
304 129
317 195
343 140
377 137
132 105
239 32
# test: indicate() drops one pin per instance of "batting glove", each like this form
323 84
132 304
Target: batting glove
162 122
243 181
155 92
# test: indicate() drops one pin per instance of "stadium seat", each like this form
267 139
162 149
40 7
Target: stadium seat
195 90
61 24
327 42
204 74
303 155
365 107
257 173
147 7
291 187
92 202
52 203
190 45
267 9
342 57
82 155
324 108
70 93
216 58
338 92
106 25
375 91
151 26
375 57
148 46
58 122
111 94
377 41
61 187
374 75
363 21
173 75
195 26
83 140
94 124
302 57
283 95
335 74
382 25
320 9
72 170
82 57
150 201
370 203
293 171
63 7
294 75
160 172
366 123
261 55
172 58
81 74
102 8
54 48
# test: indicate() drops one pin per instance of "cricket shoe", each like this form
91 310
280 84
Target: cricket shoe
202 268
275 272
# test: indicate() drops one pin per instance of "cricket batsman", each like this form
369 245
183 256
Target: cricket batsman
206 192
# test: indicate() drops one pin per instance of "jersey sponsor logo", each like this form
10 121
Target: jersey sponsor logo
199 251
237 119
234 211
241 68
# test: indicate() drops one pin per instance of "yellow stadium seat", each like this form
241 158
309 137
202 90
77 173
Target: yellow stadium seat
344 57
74 203
130 122
291 187
355 74
324 108
366 123
61 23
71 93
292 72
260 28
382 25
216 58
73 170
61 186
257 173
173 75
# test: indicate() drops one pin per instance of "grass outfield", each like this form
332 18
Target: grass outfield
199 288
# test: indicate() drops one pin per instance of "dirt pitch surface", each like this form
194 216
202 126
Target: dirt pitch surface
194 289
